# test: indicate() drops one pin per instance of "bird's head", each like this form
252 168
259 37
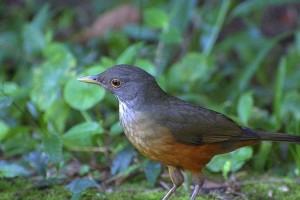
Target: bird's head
126 82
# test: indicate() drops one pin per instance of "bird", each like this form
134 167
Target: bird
166 129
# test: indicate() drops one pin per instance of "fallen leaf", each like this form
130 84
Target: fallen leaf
112 19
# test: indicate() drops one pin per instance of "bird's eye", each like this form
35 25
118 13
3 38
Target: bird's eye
115 82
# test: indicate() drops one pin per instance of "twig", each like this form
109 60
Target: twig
164 185
91 149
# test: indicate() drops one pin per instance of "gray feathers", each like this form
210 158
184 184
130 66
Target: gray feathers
187 124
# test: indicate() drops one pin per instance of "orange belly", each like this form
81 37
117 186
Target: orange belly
188 157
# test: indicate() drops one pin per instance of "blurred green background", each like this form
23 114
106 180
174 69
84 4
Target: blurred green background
240 58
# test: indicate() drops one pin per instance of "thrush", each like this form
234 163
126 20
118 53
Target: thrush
169 130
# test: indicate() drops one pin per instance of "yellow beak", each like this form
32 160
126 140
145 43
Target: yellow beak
89 79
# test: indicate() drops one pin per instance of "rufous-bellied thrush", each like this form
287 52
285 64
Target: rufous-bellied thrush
171 131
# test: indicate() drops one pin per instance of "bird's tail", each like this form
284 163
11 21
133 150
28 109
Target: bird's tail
274 137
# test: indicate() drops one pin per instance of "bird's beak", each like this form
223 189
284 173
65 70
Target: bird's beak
89 79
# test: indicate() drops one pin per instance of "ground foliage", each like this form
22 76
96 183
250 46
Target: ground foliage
240 58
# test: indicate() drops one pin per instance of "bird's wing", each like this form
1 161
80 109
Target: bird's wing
195 125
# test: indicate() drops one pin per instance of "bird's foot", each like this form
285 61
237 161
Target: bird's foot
195 192
171 191
198 181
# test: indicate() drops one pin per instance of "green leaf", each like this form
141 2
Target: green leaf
128 56
51 75
122 160
246 7
172 35
181 13
245 107
146 65
81 135
77 186
18 141
226 169
117 42
8 89
53 147
8 38
217 27
33 39
83 96
107 61
279 88
3 130
129 170
140 32
156 18
236 158
41 18
195 68
297 42
250 70
152 171
57 115
116 129
84 169
291 104
5 102
12 170
39 161
263 155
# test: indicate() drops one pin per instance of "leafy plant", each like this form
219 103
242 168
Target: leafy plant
77 186
230 162
212 54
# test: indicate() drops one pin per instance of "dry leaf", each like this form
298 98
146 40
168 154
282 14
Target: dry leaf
112 19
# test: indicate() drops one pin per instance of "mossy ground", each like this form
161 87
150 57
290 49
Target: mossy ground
24 189
256 189
285 190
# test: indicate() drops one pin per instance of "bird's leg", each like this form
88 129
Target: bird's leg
177 179
198 183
